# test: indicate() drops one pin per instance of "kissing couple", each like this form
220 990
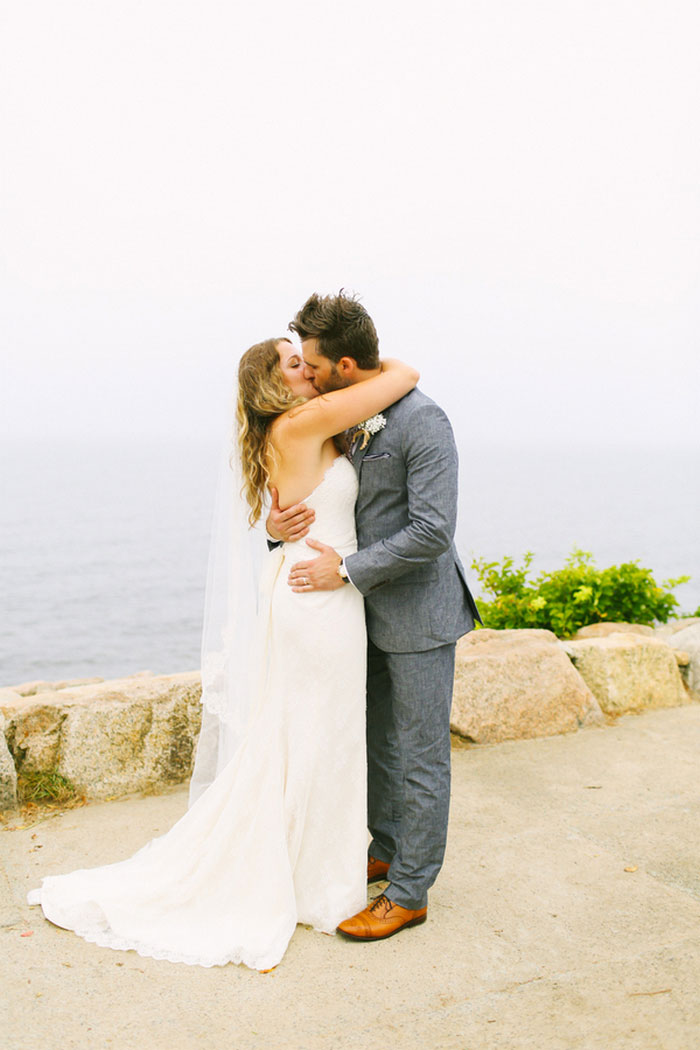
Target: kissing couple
327 669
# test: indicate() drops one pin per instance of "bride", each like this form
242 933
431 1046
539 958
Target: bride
276 830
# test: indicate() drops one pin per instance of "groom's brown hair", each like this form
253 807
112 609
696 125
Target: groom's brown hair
342 326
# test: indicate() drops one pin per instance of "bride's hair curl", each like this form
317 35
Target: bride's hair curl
263 395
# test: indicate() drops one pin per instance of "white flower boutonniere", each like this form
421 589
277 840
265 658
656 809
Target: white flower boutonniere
370 427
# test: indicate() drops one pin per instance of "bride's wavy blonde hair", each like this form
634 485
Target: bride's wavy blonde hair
263 395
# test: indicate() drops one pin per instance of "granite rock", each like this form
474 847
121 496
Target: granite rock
9 695
8 774
517 683
629 672
40 686
109 738
687 642
603 629
663 630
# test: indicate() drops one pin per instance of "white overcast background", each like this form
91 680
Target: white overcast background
511 185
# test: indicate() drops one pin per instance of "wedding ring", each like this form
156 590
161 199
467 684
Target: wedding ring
304 581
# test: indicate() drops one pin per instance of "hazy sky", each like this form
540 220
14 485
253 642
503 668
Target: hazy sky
512 185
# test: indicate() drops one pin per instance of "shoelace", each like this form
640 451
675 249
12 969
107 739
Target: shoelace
382 899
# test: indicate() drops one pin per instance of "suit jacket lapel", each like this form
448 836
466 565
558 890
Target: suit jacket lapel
360 453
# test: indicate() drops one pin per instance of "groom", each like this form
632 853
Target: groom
417 605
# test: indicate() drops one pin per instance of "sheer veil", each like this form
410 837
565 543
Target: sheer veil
234 624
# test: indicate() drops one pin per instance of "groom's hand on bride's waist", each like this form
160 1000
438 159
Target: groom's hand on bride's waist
288 525
319 574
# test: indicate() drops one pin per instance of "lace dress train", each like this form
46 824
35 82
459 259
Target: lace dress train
279 838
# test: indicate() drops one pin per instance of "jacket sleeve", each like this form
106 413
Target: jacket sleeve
430 455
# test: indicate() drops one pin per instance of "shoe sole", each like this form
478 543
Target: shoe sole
385 936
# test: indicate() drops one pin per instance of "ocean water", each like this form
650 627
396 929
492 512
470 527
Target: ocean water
104 546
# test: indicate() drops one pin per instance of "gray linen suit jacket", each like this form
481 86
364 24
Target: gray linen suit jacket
407 567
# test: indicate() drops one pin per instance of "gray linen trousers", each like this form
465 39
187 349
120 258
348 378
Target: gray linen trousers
417 604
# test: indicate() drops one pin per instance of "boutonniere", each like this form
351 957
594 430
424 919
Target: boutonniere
370 427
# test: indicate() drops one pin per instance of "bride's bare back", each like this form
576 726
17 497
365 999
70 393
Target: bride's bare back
298 466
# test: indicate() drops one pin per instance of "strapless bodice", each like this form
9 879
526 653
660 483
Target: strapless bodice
333 500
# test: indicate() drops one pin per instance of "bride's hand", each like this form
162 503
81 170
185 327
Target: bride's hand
291 524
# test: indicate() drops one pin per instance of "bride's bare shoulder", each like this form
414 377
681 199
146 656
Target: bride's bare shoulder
288 439
295 422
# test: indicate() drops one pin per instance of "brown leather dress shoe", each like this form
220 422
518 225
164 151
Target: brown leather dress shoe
376 869
381 919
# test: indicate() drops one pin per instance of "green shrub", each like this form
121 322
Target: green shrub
568 598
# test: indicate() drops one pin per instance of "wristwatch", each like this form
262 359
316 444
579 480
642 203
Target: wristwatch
343 572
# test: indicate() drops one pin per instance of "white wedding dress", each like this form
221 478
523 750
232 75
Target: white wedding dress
280 836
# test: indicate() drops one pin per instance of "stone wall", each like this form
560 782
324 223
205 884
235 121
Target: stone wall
136 733
106 738
511 684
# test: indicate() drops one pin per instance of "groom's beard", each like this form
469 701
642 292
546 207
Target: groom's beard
334 381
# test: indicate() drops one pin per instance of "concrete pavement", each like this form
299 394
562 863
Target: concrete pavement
537 936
